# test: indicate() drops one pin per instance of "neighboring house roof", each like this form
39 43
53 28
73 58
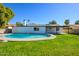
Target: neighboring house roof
10 25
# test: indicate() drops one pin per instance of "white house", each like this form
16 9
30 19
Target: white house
42 29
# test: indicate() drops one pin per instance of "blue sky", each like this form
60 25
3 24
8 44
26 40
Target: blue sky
42 13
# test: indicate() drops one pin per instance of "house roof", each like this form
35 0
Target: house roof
55 25
39 25
32 25
46 25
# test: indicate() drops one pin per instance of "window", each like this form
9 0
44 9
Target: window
36 29
57 28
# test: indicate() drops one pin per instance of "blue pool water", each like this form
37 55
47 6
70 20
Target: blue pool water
25 36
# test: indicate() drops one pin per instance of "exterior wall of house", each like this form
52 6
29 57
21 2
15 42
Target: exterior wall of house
28 30
66 30
60 30
51 29
42 29
74 31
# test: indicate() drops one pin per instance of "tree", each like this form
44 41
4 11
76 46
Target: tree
6 14
9 14
1 22
19 24
77 22
1 18
66 22
53 22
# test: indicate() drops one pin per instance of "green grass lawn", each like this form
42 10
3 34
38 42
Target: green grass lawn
67 44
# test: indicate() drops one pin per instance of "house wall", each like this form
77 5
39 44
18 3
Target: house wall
28 30
74 31
51 29
60 30
66 30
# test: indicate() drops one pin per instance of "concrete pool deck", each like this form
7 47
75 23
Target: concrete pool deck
4 39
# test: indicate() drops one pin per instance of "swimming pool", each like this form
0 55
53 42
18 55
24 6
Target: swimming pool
26 37
22 36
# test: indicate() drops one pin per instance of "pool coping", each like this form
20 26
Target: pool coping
28 39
